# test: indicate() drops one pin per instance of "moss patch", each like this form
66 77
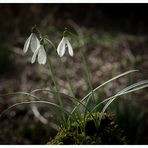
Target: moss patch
107 133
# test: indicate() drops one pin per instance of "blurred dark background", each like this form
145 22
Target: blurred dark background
116 40
131 18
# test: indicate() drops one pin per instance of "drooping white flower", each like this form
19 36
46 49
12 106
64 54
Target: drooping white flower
31 42
62 47
42 57
34 43
36 48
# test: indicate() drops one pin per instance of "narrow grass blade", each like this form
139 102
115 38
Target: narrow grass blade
54 92
110 80
22 93
70 98
39 102
144 82
103 84
123 93
129 89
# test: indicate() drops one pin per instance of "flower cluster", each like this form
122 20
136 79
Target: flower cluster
38 49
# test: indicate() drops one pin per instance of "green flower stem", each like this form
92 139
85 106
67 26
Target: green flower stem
67 77
65 72
87 72
86 68
56 85
64 69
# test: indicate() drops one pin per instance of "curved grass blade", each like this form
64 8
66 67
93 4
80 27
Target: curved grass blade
40 102
54 92
135 89
127 92
31 95
110 80
70 98
22 93
144 82
73 99
103 84
123 93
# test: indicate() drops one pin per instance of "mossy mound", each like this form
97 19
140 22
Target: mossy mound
107 133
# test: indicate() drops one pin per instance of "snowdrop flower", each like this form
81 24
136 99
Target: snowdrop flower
31 42
36 48
42 57
62 47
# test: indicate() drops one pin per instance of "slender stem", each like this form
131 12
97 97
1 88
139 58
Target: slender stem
86 68
67 77
64 69
56 84
53 77
87 72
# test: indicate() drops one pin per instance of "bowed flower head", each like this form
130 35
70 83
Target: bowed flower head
31 42
37 48
62 47
42 57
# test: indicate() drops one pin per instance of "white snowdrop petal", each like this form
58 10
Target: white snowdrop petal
60 44
61 47
27 43
62 51
35 54
70 50
34 43
42 57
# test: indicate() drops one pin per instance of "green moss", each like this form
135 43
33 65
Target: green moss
107 133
